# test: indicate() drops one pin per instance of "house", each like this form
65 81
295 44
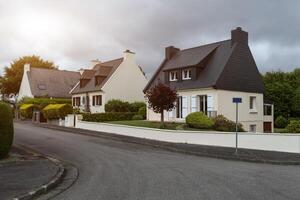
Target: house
207 79
120 79
52 83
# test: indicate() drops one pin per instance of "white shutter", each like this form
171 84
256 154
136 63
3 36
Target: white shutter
184 106
210 103
194 104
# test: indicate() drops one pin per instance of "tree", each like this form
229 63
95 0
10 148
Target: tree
161 98
296 102
12 78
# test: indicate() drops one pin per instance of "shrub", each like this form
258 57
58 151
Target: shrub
293 126
41 103
26 111
137 117
135 106
281 122
143 111
56 111
221 123
6 129
199 120
116 105
109 116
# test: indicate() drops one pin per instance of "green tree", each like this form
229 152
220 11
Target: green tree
296 102
12 78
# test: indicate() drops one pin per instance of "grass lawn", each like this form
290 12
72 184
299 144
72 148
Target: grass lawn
280 130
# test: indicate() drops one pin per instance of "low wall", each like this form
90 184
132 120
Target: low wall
261 141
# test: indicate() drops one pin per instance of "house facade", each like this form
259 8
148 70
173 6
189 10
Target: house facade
208 77
115 79
51 83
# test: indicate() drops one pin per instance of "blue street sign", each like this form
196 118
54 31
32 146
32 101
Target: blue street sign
237 100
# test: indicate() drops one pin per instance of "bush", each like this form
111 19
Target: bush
6 129
199 120
109 116
116 105
293 126
221 123
136 106
143 111
137 117
56 111
281 122
26 111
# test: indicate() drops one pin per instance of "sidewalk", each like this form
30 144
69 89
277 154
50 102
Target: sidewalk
24 172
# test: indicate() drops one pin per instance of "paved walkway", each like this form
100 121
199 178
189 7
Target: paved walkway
24 172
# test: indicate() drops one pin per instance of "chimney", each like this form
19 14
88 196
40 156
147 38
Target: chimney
239 36
171 51
95 62
128 55
26 68
81 70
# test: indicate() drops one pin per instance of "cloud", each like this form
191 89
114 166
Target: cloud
72 32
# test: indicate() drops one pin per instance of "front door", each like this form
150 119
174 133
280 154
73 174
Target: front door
267 127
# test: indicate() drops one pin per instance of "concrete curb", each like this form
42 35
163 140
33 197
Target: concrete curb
50 185
174 147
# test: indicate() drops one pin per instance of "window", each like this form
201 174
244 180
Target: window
267 110
252 128
97 100
173 76
186 74
76 101
252 104
203 103
184 106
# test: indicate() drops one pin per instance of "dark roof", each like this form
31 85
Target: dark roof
52 82
104 70
227 65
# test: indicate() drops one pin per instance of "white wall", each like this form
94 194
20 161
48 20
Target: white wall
25 90
268 141
93 109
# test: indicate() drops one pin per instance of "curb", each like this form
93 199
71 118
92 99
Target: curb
46 187
170 146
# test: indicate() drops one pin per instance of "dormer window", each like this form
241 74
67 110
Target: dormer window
173 76
186 74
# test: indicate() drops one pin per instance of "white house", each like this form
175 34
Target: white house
115 79
208 77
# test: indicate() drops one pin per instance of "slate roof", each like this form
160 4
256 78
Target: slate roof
104 70
51 82
226 65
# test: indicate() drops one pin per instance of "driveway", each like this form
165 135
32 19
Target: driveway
112 170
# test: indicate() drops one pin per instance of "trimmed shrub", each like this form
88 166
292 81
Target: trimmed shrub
41 103
137 117
135 106
281 122
26 111
6 129
109 116
221 123
293 126
56 111
143 112
199 120
116 105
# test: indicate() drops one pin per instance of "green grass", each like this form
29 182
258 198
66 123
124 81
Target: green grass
280 130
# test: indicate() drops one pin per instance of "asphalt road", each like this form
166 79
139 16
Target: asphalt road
112 170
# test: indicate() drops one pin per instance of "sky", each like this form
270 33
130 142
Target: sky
71 33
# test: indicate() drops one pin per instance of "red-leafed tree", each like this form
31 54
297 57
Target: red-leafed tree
160 98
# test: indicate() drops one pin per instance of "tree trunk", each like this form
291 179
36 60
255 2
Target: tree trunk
162 119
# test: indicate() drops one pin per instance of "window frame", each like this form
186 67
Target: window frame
173 78
188 74
97 100
253 104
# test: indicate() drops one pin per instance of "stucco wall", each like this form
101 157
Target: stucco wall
93 109
25 90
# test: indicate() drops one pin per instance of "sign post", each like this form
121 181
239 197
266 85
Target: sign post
236 100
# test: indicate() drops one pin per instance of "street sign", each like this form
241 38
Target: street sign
236 100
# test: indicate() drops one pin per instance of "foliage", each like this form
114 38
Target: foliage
41 103
143 112
116 105
296 102
161 98
135 106
281 122
6 129
221 123
56 111
109 116
11 80
199 120
150 124
137 117
293 126
26 110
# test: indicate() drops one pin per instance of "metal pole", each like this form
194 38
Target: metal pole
236 130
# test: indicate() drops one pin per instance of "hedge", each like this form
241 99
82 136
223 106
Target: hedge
221 123
6 129
109 116
281 122
56 111
26 111
199 120
41 103
116 105
293 126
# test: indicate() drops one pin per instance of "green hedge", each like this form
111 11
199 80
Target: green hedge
26 110
41 103
56 111
199 120
221 123
281 122
293 126
143 112
116 105
6 129
109 116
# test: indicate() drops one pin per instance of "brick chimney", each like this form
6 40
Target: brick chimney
239 36
171 51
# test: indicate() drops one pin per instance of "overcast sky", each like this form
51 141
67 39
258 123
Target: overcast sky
71 32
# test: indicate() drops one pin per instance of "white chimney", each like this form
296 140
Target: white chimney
128 55
95 62
26 68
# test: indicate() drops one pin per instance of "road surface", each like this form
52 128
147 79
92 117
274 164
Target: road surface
112 170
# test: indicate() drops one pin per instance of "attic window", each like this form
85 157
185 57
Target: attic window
42 86
186 74
173 76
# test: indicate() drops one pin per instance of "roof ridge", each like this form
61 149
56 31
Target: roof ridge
206 45
56 70
111 60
